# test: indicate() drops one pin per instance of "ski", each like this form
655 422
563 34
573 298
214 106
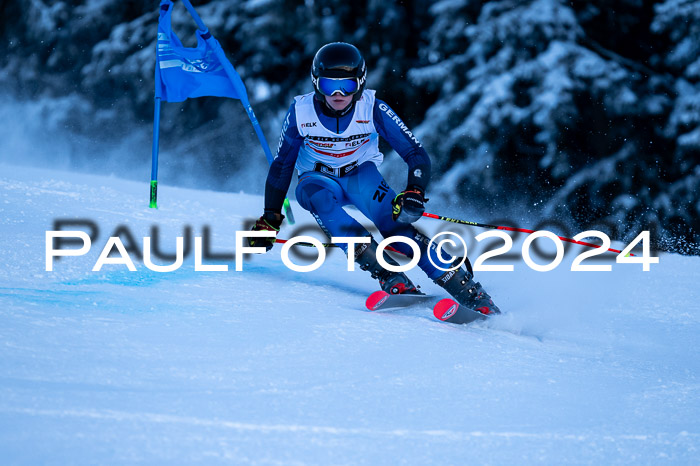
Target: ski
383 300
449 310
446 310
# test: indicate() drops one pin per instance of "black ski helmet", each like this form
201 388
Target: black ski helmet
339 60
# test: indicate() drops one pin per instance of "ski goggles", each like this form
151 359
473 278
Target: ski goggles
344 86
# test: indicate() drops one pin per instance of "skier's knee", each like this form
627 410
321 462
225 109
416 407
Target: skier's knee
322 201
317 199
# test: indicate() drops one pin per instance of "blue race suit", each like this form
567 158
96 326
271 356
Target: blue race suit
323 190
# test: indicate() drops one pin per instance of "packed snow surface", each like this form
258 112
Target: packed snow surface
269 366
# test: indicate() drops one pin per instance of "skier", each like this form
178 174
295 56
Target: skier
331 136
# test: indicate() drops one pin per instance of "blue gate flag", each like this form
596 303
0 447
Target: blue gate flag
185 72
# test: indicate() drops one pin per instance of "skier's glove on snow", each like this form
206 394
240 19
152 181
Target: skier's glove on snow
270 221
409 205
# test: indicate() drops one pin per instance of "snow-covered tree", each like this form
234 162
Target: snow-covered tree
678 205
530 107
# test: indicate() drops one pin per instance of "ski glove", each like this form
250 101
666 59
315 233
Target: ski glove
409 205
270 221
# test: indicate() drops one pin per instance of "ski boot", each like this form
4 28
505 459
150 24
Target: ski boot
391 282
460 284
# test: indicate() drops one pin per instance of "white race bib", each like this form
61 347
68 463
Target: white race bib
356 145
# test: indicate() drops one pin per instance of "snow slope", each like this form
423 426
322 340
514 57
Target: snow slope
269 366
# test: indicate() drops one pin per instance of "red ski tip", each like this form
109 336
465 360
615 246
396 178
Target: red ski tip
376 299
445 308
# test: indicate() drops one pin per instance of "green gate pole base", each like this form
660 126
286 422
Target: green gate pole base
154 194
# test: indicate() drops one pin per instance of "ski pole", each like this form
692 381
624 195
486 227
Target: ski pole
308 245
520 230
